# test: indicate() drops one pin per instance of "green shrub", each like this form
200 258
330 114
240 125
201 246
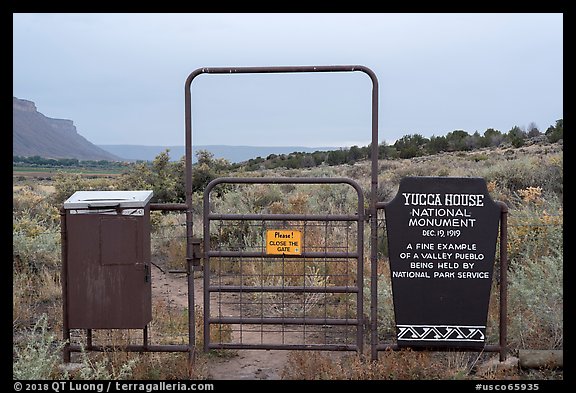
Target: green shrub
33 249
386 321
39 353
533 224
104 368
536 293
527 171
67 184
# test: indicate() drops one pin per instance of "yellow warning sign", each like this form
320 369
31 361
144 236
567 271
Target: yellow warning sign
280 241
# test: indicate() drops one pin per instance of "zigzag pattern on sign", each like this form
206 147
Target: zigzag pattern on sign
441 333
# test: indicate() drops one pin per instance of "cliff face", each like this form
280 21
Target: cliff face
37 135
24 105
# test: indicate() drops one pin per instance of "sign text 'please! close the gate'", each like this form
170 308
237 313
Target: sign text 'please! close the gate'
283 242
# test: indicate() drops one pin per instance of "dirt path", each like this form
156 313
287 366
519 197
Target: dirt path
248 364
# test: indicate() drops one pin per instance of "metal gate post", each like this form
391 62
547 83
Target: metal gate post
64 280
503 281
374 224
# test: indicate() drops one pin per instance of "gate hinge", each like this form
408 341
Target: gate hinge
367 215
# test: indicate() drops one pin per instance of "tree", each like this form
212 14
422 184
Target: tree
354 154
138 177
411 146
473 141
163 177
337 157
555 133
492 137
206 169
560 125
436 144
308 161
456 140
516 136
319 157
386 151
533 130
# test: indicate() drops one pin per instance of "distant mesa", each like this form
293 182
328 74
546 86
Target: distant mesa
24 105
35 134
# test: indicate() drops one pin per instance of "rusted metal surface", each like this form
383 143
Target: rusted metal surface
107 274
89 345
503 281
106 278
168 206
259 254
64 281
133 348
284 315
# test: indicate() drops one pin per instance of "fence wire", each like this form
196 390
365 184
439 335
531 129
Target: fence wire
283 300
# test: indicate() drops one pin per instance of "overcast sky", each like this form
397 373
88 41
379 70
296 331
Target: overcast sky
120 77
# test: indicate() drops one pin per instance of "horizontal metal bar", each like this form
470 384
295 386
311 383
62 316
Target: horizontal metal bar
380 205
295 347
297 289
395 347
285 217
284 321
131 348
168 206
285 180
281 69
259 254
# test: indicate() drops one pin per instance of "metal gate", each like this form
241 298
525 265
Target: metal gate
311 299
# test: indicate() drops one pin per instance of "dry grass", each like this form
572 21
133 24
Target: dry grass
400 365
530 181
397 365
169 240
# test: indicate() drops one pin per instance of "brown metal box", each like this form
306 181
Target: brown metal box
108 260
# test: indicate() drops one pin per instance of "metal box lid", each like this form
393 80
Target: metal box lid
100 199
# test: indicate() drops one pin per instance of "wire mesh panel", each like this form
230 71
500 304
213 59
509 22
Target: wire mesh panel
260 296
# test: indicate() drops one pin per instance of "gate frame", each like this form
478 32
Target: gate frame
359 321
276 70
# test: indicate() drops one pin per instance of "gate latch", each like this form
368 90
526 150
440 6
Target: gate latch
196 253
